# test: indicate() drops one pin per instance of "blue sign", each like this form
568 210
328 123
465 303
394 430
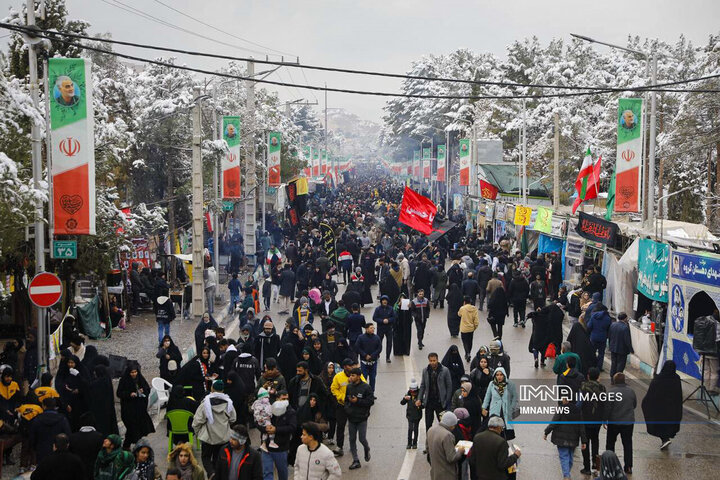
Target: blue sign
696 268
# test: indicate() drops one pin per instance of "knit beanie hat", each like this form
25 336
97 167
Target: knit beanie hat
448 419
467 386
413 384
461 413
262 393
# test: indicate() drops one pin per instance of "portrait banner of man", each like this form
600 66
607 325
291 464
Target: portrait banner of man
230 164
464 162
73 146
629 155
273 159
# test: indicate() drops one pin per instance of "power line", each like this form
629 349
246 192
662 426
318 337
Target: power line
222 31
646 88
147 16
594 90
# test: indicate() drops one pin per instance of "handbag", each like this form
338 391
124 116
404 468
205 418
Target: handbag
550 351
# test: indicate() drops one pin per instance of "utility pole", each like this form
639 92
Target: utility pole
250 174
216 247
37 169
327 154
524 156
653 133
556 165
198 290
264 182
448 162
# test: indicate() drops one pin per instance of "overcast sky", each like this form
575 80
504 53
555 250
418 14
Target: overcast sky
384 35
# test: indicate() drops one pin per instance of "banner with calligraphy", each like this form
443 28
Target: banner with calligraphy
653 261
273 159
543 220
596 229
629 155
441 163
522 215
230 165
328 243
698 268
73 146
464 162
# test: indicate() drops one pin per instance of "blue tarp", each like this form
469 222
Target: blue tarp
548 244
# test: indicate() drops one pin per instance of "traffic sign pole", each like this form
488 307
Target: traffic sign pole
45 290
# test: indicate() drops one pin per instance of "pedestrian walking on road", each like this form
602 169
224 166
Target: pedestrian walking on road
469 322
501 399
444 457
369 346
454 299
421 312
454 363
621 418
358 400
435 390
210 287
598 328
314 460
518 292
238 460
164 314
497 309
489 458
211 424
113 462
133 391
413 413
181 458
663 403
566 433
620 344
384 317
593 410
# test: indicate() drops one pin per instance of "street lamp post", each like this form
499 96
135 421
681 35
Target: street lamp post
651 58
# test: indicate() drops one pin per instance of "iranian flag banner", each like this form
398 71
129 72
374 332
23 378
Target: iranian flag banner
274 139
315 162
323 162
427 168
587 183
416 165
230 184
629 155
441 163
464 162
308 159
73 146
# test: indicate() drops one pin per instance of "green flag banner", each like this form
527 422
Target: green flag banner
73 146
274 139
230 185
416 165
543 220
441 163
323 162
629 154
427 168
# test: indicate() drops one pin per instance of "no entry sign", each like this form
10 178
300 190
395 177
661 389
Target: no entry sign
45 290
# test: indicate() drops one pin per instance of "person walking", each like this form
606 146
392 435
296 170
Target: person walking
470 287
145 467
313 459
489 458
45 427
133 391
538 292
598 328
338 389
444 457
518 293
61 464
566 431
368 347
455 301
164 314
113 462
384 317
211 424
469 322
276 442
619 343
435 390
621 418
593 410
86 444
497 309
501 400
210 287
287 288
413 413
358 400
421 312
662 406
238 460
234 288
540 338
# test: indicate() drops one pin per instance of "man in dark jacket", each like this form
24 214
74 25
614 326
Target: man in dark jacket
368 346
283 425
596 282
489 457
470 287
598 328
620 344
238 460
621 418
435 390
593 410
571 376
87 443
518 292
267 344
358 400
164 314
45 427
483 274
304 384
384 317
60 464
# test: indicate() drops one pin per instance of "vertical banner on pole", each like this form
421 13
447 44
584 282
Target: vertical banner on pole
416 165
323 162
273 166
427 169
315 162
464 162
73 146
441 163
308 159
629 155
230 185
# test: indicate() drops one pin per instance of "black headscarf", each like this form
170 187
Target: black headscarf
454 362
610 468
287 360
663 403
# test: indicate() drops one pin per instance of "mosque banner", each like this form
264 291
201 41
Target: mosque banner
230 184
464 162
273 166
73 146
629 155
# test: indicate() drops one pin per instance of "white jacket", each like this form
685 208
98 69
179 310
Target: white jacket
317 465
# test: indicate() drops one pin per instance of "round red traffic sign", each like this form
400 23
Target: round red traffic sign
45 289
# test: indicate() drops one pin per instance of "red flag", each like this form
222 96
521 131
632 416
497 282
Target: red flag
588 180
488 190
208 218
417 212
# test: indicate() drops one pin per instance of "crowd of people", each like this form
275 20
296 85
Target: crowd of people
304 385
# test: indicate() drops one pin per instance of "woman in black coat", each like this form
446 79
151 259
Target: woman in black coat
664 403
72 386
540 337
455 301
454 362
580 341
238 392
133 391
102 405
168 351
497 311
402 332
207 322
197 373
287 359
287 283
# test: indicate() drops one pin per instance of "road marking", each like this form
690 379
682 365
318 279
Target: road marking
410 455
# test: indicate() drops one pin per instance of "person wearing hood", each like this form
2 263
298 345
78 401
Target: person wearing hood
145 468
610 467
207 322
498 357
595 300
248 368
268 343
581 345
212 422
133 391
571 377
384 317
454 363
102 406
113 462
61 464
183 460
593 411
501 400
45 427
10 394
72 385
567 431
86 443
164 314
303 314
168 352
598 328
210 286
662 406
246 339
413 413
454 299
238 460
444 457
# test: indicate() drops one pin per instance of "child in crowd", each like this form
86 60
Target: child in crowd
262 413
413 413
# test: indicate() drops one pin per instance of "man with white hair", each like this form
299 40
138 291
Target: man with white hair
66 90
444 457
489 453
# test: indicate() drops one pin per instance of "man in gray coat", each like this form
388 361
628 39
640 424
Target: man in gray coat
621 418
435 390
444 458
